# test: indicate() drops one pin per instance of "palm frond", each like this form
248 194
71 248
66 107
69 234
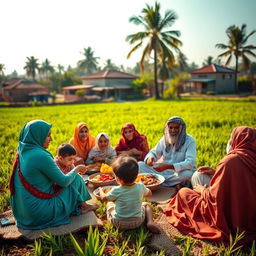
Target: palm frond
134 49
169 18
221 46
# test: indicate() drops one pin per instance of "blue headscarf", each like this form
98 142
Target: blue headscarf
33 135
181 136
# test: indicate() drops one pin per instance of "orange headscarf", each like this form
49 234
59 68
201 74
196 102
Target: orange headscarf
82 148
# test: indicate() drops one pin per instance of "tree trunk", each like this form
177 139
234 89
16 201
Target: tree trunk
155 75
236 70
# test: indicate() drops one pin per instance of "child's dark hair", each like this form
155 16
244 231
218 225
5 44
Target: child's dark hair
126 168
66 149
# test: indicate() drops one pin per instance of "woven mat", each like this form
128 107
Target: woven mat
162 195
78 223
165 241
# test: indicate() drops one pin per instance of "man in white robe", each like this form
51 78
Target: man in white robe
174 156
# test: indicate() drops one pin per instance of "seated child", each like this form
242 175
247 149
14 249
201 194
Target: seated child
126 211
65 158
102 152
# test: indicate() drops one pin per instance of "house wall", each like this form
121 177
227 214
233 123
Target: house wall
19 95
107 82
224 82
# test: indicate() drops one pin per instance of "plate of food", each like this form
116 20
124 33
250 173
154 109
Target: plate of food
150 180
93 168
102 179
106 189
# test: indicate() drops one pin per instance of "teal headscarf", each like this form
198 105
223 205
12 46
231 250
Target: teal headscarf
32 135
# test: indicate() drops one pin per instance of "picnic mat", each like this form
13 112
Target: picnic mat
162 195
165 240
78 223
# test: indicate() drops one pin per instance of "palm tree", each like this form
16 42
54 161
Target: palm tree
90 63
46 67
2 72
237 39
31 66
159 40
208 61
181 62
109 64
60 68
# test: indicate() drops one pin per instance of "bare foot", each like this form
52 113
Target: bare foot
88 207
161 207
152 227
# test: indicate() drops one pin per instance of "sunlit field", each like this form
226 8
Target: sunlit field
210 122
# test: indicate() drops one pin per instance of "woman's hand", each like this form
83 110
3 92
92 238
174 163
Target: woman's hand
98 159
81 169
206 170
199 188
135 151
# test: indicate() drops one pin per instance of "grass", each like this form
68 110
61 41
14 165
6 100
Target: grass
209 121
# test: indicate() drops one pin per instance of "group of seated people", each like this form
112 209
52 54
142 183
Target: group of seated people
218 204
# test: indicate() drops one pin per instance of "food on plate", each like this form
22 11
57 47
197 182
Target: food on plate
102 177
148 179
105 190
105 168
95 166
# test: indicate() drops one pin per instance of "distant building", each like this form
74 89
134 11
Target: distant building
70 92
20 90
212 78
110 83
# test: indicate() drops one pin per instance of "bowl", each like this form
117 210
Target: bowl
93 168
105 189
148 178
101 179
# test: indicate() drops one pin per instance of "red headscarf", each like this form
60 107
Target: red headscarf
82 148
228 205
139 141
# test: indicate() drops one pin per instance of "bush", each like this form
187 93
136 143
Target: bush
211 93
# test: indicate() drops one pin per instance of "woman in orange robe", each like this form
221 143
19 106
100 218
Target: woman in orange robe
228 205
82 141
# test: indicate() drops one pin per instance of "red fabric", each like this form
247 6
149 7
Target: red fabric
63 168
31 189
139 142
228 205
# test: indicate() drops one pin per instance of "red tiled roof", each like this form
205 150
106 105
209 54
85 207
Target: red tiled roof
109 74
24 85
213 68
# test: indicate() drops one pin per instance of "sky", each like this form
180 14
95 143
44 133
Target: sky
60 29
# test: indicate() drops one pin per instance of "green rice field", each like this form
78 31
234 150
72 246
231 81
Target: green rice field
209 121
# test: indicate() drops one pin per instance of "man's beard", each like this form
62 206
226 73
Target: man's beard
173 139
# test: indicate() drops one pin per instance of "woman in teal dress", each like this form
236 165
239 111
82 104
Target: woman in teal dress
41 195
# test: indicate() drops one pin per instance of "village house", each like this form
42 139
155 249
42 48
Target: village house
20 90
213 78
101 85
